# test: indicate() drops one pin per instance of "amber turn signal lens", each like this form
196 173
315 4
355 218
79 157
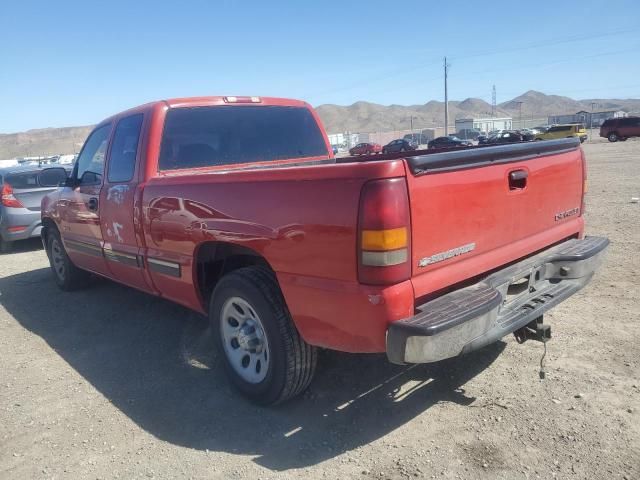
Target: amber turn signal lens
383 240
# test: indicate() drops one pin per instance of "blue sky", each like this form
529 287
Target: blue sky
69 63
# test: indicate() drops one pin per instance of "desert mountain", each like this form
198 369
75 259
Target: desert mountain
358 117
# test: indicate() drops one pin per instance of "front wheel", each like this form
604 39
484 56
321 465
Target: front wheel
613 137
66 275
264 355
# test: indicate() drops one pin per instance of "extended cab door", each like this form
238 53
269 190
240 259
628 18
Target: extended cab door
80 204
120 228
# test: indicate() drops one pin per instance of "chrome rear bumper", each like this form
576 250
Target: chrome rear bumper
475 316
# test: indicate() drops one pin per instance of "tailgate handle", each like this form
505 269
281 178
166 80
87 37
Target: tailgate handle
518 179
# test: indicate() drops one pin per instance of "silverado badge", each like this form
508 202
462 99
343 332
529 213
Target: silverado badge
439 257
567 213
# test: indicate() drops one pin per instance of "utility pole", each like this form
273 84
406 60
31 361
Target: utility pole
446 100
493 102
593 104
520 120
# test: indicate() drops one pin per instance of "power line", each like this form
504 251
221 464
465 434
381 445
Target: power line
556 41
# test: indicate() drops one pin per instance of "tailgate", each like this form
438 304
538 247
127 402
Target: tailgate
481 208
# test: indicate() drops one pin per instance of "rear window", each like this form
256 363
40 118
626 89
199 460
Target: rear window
227 135
23 180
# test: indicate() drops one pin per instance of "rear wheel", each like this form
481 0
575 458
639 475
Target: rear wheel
613 137
66 275
264 355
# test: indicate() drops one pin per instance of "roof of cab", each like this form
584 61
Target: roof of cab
209 101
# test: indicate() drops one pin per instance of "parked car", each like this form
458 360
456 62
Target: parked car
468 134
509 136
448 142
365 148
229 206
564 131
22 188
400 145
615 129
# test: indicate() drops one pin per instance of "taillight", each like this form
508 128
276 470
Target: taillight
8 199
384 232
584 180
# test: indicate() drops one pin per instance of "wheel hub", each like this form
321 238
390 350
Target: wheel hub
248 338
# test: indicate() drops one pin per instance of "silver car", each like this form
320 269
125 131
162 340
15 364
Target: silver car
21 190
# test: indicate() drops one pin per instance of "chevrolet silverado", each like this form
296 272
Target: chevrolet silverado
236 207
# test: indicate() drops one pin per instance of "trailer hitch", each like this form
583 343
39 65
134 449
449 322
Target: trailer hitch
535 330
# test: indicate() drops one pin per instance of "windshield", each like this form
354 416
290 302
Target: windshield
227 135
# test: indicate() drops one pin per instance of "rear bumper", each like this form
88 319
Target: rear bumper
19 224
475 316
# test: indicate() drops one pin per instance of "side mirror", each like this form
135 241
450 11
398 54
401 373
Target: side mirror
52 177
90 178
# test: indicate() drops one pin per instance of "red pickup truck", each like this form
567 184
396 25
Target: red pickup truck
235 207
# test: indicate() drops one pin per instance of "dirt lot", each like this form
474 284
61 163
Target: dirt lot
111 383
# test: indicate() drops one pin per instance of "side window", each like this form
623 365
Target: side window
122 159
91 160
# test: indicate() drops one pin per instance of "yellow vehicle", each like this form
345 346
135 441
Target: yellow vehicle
563 131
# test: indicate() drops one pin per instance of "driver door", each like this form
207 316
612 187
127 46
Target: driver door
80 208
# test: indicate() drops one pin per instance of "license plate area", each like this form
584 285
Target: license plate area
522 287
516 288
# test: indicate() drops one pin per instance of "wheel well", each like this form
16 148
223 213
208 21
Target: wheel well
47 224
216 259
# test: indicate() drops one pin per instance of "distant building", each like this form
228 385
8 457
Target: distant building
585 117
484 124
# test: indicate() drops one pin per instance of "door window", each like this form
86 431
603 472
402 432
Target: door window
122 159
90 165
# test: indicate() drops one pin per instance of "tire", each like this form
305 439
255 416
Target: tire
5 246
67 276
613 137
264 356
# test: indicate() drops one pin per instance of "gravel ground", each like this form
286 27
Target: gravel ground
111 383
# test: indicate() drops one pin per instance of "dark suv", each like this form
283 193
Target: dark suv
616 129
